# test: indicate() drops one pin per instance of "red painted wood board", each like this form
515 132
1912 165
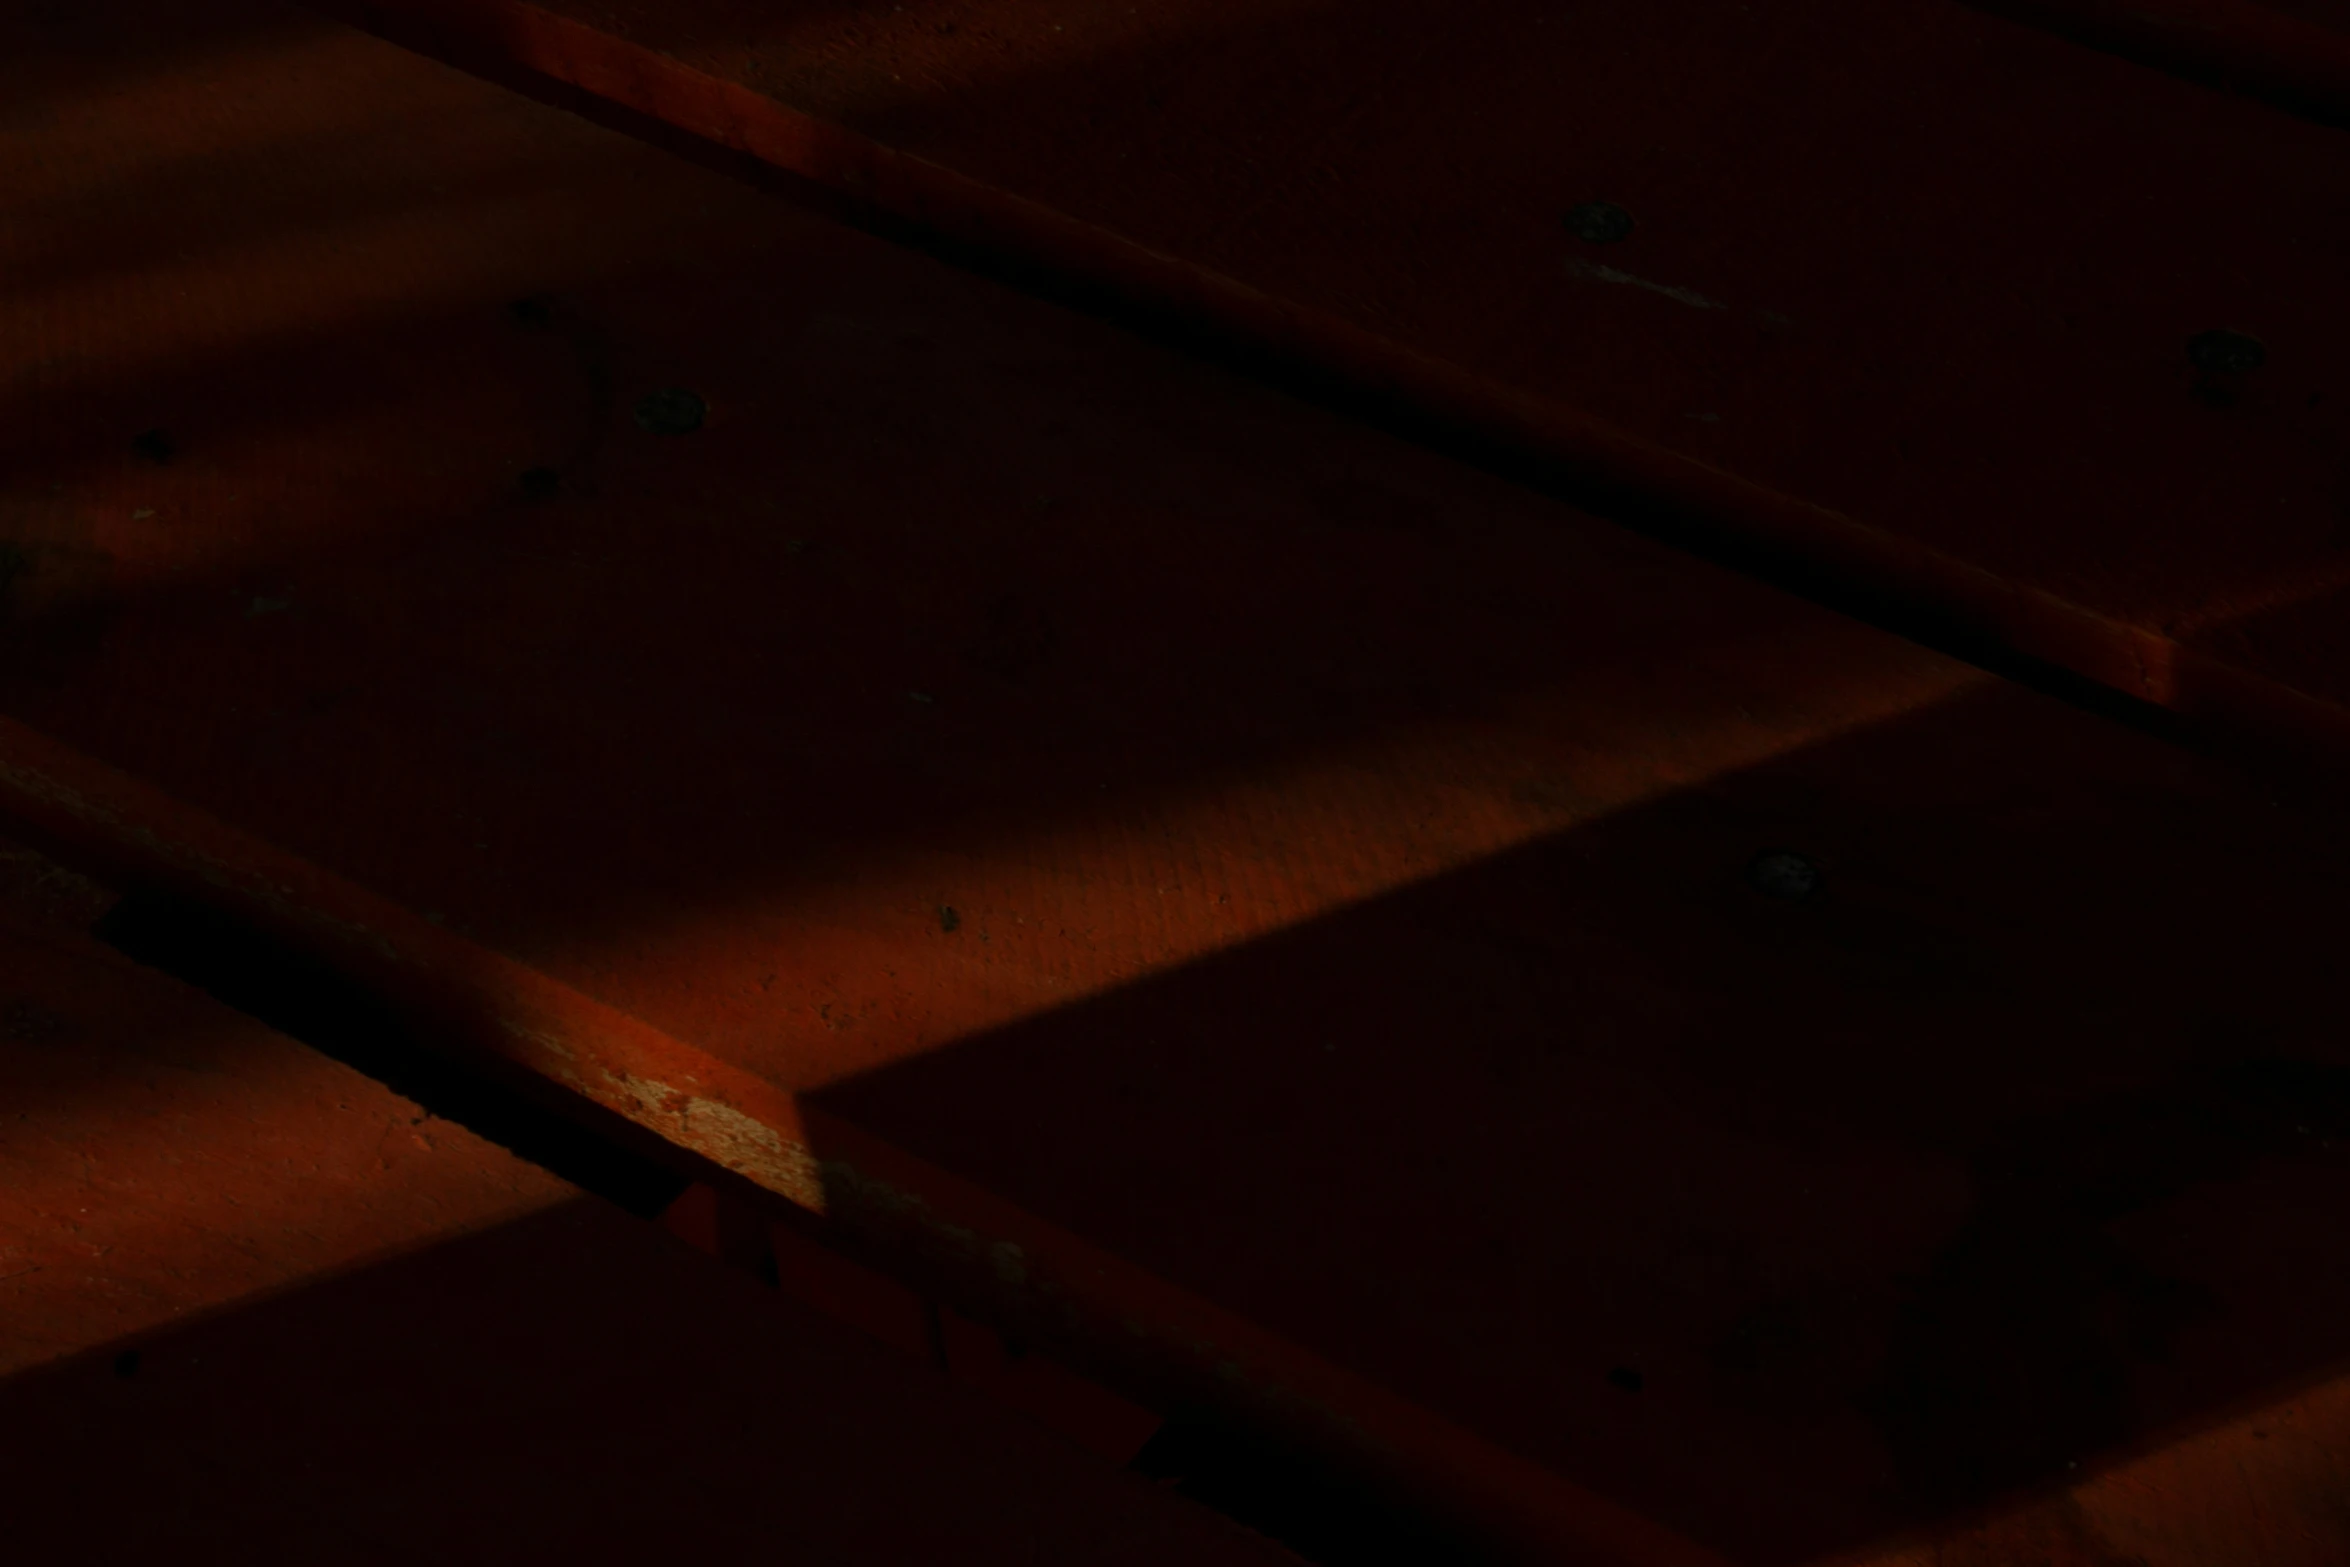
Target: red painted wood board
1278 917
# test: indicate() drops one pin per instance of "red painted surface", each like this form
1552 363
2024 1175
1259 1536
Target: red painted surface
162 1157
1909 291
568 1388
233 1272
1258 908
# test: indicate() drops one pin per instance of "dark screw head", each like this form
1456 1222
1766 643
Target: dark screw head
671 411
2221 352
949 921
1599 222
152 446
534 314
1625 1379
1779 874
126 1364
539 483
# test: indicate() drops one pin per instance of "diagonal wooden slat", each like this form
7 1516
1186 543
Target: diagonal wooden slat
1910 294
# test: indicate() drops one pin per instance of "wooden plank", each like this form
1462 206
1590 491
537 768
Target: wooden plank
1289 925
568 1386
162 1157
234 1271
1905 296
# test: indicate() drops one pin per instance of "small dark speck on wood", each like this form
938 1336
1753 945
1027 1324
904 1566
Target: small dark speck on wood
1599 223
2222 352
1778 873
672 410
534 314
